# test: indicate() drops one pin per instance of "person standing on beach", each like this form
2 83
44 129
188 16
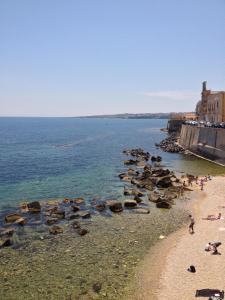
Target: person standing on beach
191 226
201 184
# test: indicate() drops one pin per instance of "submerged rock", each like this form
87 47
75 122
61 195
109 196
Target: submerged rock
100 207
55 229
114 206
75 208
51 221
21 221
7 232
79 200
5 243
82 231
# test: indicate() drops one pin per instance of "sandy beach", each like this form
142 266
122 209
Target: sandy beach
164 275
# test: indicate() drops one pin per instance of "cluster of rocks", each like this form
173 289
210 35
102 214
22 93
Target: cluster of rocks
170 144
161 185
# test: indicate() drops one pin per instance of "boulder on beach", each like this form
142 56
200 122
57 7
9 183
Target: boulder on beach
130 203
114 206
154 197
12 218
34 207
164 182
163 204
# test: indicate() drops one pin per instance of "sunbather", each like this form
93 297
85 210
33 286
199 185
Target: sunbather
213 217
212 247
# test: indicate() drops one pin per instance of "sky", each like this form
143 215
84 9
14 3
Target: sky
87 57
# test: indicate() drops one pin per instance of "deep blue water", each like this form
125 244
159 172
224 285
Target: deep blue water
48 158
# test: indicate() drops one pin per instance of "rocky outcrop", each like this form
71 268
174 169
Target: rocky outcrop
170 144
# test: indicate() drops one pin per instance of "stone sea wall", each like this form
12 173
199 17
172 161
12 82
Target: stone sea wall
207 142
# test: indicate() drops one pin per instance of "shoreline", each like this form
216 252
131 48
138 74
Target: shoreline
163 272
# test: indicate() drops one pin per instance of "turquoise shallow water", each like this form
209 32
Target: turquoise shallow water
49 158
45 158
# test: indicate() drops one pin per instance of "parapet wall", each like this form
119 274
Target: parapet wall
208 142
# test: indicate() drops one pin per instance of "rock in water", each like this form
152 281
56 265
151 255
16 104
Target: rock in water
7 232
21 221
12 218
5 243
34 207
82 231
114 206
55 229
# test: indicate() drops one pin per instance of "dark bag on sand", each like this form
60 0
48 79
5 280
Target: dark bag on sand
191 269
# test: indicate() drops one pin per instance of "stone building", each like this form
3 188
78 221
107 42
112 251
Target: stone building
211 107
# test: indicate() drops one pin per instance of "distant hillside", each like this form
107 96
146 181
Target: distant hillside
133 116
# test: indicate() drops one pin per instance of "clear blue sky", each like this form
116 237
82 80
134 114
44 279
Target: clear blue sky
82 57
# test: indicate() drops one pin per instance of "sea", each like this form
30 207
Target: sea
49 159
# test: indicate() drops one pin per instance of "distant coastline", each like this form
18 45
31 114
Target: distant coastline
131 116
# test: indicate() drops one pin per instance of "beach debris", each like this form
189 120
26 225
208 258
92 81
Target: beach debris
34 207
161 237
55 229
114 205
12 218
191 269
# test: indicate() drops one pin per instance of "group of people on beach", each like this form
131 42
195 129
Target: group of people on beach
210 247
196 179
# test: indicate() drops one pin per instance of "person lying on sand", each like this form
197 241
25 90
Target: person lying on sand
212 247
213 217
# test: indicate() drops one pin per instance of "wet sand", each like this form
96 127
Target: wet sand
163 273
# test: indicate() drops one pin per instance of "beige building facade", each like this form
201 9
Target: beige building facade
211 107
